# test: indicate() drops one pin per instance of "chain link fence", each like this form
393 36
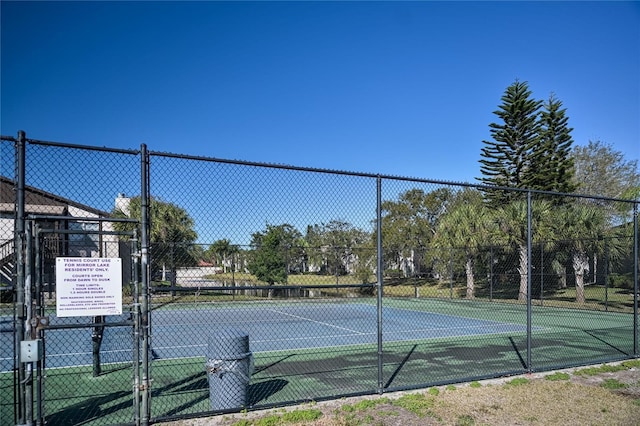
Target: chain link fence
249 285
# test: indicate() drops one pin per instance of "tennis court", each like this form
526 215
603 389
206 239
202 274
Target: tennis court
313 350
271 327
309 326
183 331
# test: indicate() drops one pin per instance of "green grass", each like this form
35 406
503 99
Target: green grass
620 300
517 382
365 404
617 299
557 376
423 287
613 384
417 403
298 416
634 363
606 368
465 420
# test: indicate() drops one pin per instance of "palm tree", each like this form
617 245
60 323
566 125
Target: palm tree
233 253
171 234
221 250
226 253
511 220
581 228
468 225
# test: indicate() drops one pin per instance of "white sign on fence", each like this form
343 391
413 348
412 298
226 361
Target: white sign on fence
88 286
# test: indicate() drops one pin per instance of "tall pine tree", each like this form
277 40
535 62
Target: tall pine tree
552 165
507 160
531 148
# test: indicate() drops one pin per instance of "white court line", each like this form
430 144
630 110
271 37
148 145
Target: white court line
317 322
331 337
394 332
102 352
290 339
178 347
281 350
461 327
370 333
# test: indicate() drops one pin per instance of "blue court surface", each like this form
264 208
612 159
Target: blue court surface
182 333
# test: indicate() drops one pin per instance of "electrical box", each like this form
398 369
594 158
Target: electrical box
31 350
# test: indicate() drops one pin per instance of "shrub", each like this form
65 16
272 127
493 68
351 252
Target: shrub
621 280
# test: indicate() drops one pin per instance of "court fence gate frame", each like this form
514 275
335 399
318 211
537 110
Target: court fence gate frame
359 286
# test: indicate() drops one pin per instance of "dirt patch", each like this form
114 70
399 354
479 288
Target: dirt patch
583 396
628 378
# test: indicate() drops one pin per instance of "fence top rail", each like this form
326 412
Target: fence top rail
75 146
382 176
322 170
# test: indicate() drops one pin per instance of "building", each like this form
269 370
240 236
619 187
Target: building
59 217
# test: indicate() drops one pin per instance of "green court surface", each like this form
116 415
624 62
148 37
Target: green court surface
560 338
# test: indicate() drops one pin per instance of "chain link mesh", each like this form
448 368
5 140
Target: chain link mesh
288 257
69 195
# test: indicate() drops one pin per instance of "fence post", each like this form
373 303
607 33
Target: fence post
635 279
145 406
529 271
606 275
380 278
40 312
491 274
20 386
28 329
451 274
542 273
135 313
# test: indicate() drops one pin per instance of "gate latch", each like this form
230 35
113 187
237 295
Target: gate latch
37 324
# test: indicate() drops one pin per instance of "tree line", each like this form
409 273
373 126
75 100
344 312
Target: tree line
531 148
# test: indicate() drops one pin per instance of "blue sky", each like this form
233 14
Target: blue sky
398 88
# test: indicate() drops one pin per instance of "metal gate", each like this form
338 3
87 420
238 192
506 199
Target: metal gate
58 346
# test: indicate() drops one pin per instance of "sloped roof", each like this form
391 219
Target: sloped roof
39 201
